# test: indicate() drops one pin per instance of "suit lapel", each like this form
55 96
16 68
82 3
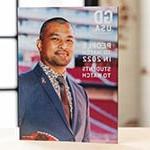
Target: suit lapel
74 98
45 83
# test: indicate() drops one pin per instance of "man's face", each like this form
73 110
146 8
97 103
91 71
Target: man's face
57 44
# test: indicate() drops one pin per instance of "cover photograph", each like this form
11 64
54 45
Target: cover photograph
68 74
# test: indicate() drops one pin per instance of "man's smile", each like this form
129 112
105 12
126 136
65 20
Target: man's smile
62 53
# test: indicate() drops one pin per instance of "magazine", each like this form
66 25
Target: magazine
68 74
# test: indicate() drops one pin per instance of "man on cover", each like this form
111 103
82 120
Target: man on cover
50 102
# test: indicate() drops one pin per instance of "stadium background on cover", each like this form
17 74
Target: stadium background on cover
102 92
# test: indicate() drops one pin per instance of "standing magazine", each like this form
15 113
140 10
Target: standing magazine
68 74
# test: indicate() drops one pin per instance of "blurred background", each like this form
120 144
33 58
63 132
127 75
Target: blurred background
134 62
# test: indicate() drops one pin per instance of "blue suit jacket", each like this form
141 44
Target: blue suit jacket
40 108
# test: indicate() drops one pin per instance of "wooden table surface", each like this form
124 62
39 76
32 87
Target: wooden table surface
129 139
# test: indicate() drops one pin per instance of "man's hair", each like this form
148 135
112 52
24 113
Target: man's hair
56 19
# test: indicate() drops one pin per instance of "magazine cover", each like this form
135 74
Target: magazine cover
68 74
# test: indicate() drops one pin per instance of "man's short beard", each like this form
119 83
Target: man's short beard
55 63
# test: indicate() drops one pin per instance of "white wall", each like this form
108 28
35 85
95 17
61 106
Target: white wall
8 63
8 109
8 18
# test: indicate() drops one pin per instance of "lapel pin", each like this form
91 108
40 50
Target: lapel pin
43 80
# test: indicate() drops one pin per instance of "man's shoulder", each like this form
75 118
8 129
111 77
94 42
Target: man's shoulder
30 75
78 90
75 84
27 82
26 76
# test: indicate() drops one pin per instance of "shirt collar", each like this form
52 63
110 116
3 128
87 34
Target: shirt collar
50 71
